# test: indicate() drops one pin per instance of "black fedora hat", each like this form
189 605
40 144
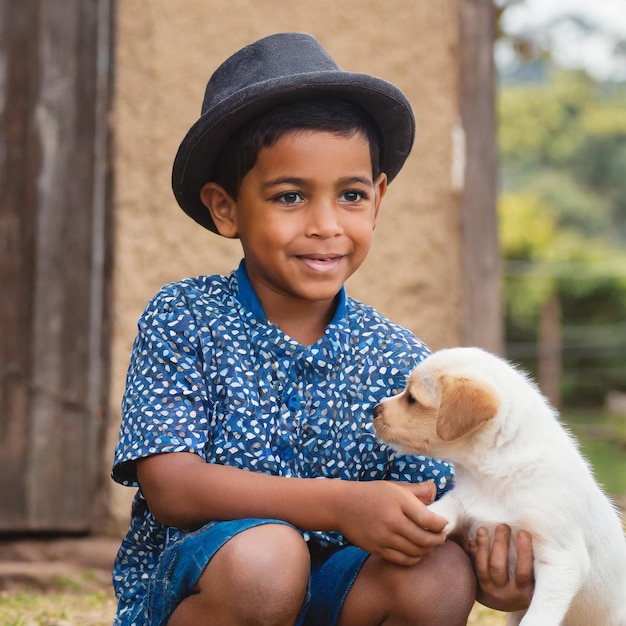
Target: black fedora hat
281 68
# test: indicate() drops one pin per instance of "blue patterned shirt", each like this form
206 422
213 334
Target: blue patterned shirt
209 374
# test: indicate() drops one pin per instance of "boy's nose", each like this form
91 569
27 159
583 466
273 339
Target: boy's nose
323 220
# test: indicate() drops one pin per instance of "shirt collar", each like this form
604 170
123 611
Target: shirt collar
246 294
250 301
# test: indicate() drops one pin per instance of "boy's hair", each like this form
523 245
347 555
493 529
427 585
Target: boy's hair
238 156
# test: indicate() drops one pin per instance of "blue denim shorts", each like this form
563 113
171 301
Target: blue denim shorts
332 573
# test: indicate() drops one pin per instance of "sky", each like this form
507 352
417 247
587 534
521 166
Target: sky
571 46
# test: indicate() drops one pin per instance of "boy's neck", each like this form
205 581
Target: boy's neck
303 321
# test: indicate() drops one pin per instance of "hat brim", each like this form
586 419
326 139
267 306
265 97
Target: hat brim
195 158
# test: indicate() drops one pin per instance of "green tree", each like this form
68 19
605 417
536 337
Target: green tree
563 231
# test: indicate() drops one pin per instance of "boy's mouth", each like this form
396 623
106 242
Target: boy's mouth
322 263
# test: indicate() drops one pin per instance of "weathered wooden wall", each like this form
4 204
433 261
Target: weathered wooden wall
54 259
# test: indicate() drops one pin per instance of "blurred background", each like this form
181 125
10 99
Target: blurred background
562 212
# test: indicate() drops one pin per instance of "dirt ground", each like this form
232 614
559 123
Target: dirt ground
39 562
57 581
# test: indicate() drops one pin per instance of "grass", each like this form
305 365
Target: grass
28 608
482 616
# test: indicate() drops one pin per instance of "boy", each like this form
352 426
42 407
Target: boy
264 496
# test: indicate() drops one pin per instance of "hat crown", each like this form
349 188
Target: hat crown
280 68
273 57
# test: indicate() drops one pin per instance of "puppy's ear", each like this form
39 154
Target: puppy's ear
466 405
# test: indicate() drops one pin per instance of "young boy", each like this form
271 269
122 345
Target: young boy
264 496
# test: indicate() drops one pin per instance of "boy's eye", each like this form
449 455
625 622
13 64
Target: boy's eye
352 196
290 197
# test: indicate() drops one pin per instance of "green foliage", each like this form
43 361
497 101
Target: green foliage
540 123
562 218
602 438
568 136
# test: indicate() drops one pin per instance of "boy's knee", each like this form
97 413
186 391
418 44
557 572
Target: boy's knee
440 590
265 570
268 554
453 585
447 588
456 563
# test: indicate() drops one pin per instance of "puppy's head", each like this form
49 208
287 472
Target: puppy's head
442 406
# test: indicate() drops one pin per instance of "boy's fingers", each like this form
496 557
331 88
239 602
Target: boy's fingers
491 561
416 545
400 558
524 568
499 559
425 492
479 547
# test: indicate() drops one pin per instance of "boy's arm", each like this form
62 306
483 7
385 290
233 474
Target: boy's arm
384 518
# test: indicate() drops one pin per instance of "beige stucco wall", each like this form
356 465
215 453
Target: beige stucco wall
165 53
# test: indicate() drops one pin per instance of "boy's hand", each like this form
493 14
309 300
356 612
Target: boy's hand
391 520
497 589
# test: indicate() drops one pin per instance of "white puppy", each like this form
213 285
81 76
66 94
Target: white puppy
515 464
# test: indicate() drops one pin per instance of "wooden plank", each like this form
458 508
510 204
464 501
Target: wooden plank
18 176
63 384
482 322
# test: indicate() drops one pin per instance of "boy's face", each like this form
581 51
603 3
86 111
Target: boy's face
305 215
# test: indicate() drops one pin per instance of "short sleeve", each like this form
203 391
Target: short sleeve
418 468
165 406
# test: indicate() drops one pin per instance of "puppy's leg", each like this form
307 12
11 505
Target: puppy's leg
450 507
559 573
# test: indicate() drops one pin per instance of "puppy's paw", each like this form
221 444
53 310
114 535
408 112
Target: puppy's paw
449 508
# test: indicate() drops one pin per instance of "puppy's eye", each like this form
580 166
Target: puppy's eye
410 399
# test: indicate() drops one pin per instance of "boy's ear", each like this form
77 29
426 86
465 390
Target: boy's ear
380 188
222 209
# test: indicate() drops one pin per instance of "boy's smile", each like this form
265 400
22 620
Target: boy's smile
305 215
